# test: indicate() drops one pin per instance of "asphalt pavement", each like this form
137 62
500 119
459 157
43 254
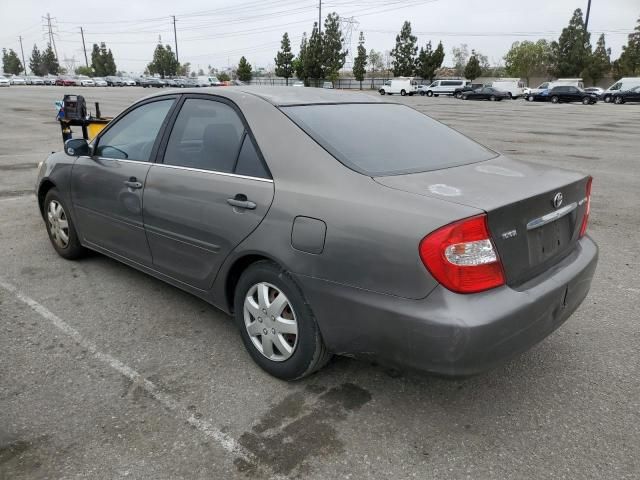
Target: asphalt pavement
108 373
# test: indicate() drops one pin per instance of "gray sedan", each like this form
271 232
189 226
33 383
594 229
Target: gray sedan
329 222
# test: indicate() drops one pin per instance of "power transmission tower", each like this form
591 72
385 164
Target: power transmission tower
50 33
347 26
84 48
24 64
175 38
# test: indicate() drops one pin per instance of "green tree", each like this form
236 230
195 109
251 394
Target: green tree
109 63
429 61
102 60
600 61
10 62
82 70
184 69
570 54
404 53
36 63
284 59
360 62
460 58
244 72
473 69
164 62
299 64
629 62
97 62
376 64
223 77
50 61
333 55
526 59
313 65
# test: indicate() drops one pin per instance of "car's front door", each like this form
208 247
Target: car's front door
210 191
107 187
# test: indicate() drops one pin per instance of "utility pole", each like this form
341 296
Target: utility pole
24 64
319 16
175 38
52 40
84 48
586 21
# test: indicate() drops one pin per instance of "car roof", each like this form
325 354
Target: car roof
283 96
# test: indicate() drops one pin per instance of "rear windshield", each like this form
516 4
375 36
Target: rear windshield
385 139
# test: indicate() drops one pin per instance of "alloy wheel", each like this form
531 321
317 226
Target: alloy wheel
270 321
58 224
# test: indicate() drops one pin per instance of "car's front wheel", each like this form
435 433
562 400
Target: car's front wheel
586 101
618 100
429 93
60 227
492 98
554 99
276 323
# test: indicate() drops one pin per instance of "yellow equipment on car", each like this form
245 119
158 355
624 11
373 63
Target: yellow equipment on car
72 111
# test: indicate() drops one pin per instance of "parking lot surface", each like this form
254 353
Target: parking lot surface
108 373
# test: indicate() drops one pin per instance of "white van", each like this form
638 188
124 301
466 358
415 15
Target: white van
561 82
207 81
513 86
442 87
402 85
621 85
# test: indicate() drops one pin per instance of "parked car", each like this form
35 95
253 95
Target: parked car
298 84
402 85
66 82
186 83
467 88
128 82
50 79
86 81
567 82
114 81
4 81
327 85
442 87
626 83
486 93
424 249
513 86
542 96
171 82
100 82
567 94
632 95
15 80
597 90
152 82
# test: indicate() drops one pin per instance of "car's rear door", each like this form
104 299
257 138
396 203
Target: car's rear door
209 189
106 188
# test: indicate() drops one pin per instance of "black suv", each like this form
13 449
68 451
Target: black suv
571 94
632 95
467 88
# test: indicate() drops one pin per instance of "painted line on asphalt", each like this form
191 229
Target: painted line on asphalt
225 441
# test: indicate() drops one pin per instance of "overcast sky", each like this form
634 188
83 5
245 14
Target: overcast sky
218 32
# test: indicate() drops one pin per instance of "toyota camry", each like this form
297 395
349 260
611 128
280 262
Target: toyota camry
301 213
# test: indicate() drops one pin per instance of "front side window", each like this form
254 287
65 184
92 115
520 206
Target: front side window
132 137
206 135
357 135
616 86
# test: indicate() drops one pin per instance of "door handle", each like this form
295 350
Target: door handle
133 183
240 201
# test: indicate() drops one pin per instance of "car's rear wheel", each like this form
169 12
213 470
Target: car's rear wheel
530 98
422 93
60 227
607 99
403 92
429 93
554 99
458 95
492 98
510 95
276 323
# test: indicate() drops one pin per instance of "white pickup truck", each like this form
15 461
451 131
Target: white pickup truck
402 85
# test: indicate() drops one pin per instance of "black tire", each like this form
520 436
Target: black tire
492 98
555 99
510 95
618 100
531 98
422 93
608 99
429 93
382 92
436 95
586 101
73 249
458 95
310 353
403 92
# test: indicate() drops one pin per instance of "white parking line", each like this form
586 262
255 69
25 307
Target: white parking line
225 441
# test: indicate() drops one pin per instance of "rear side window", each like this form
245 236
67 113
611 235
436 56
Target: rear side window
385 139
249 163
206 135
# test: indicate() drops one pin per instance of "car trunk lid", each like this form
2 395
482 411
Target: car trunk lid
534 212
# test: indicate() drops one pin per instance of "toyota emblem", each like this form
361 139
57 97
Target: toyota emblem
557 200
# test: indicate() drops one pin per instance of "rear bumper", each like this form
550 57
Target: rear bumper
449 333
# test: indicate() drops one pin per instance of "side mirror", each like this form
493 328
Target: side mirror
76 147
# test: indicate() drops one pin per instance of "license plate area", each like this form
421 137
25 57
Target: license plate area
549 240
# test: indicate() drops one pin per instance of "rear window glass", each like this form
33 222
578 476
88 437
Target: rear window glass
385 139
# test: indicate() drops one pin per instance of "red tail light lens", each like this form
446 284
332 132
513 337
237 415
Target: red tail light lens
462 257
585 218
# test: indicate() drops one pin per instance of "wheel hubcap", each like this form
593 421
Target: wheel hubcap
270 322
58 224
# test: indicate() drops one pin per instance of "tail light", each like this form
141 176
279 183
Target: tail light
462 257
585 218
